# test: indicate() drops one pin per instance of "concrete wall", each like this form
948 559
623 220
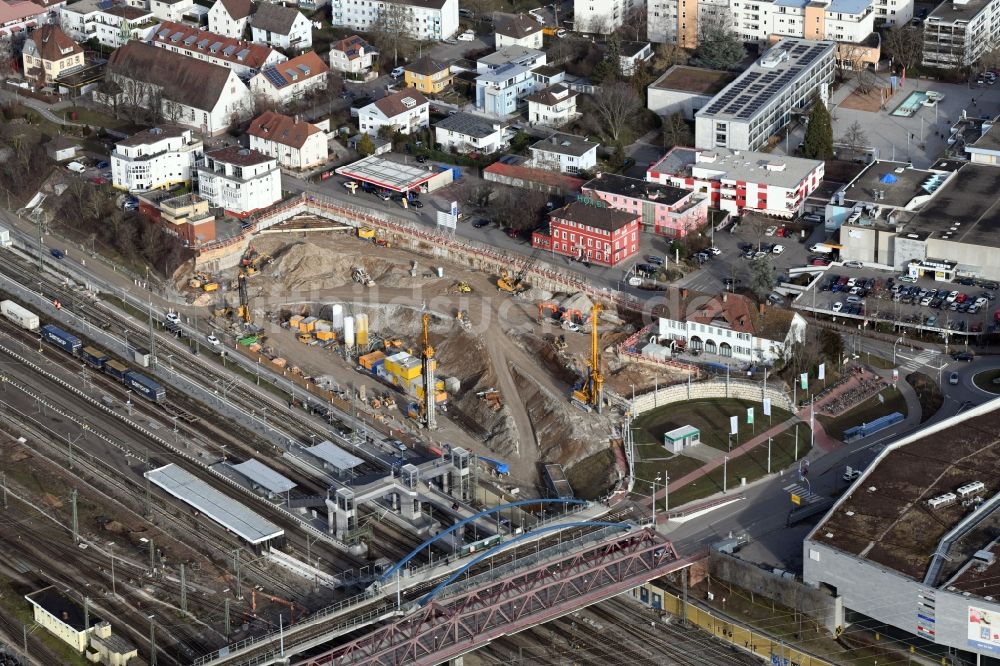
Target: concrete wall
819 604
668 102
715 388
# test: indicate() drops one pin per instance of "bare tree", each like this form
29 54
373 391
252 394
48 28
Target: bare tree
393 30
905 45
514 208
615 106
676 131
634 26
855 137
667 55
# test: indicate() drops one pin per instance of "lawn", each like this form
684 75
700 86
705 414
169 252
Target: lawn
87 116
867 411
711 417
988 381
928 392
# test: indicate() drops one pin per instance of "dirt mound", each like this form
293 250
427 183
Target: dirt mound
306 265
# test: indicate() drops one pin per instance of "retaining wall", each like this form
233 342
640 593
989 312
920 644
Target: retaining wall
715 388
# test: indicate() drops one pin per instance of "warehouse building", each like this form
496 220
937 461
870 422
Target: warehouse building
913 542
747 113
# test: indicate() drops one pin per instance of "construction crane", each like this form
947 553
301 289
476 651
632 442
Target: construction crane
591 392
430 393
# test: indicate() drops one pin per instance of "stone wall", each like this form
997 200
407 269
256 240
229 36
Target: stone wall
714 388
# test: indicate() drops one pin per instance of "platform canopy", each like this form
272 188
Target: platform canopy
334 456
233 515
265 477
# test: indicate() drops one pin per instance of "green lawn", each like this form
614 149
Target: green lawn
711 417
867 411
988 381
89 116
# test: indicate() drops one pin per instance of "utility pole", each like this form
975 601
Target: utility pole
184 596
684 596
152 642
239 573
3 482
226 612
149 508
76 522
69 444
152 557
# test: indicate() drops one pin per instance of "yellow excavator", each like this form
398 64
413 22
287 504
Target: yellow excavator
514 283
590 393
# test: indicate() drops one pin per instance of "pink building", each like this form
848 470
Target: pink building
662 209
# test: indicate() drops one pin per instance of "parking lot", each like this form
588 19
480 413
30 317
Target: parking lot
946 308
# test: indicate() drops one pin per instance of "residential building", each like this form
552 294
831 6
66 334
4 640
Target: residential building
662 209
244 58
517 30
62 148
353 56
986 149
566 153
426 19
849 21
553 106
186 216
210 107
404 112
229 17
729 325
631 54
548 75
156 158
510 55
500 92
48 53
295 143
684 89
465 133
291 79
927 575
592 232
958 32
239 180
110 24
603 16
86 633
281 27
18 17
677 21
759 103
738 181
170 10
427 75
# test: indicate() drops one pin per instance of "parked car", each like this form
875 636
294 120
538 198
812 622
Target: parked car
851 474
838 306
714 251
775 298
655 260
480 223
812 217
964 356
777 249
212 340
467 36
952 297
397 72
770 231
103 164
853 264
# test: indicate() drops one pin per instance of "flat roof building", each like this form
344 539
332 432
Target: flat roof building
686 90
395 176
958 32
335 457
762 100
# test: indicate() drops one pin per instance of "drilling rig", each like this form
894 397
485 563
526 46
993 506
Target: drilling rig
590 393
429 389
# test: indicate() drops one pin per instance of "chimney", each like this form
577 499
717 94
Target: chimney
296 119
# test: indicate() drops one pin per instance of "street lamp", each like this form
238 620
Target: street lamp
666 493
894 350
655 481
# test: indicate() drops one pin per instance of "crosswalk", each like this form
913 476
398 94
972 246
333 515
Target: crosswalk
805 495
926 357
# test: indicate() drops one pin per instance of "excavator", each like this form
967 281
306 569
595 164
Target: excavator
514 283
292 606
590 393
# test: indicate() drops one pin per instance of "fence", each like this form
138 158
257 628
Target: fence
738 389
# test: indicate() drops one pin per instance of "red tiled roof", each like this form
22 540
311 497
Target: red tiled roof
188 38
52 44
392 105
542 176
282 129
298 69
17 11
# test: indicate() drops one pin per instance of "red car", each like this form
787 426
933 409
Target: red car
820 262
962 298
97 180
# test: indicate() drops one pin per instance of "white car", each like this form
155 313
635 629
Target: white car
397 72
981 302
715 251
173 318
770 231
212 340
467 36
778 249
951 297
838 306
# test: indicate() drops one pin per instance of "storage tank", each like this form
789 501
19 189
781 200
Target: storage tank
348 331
361 329
337 316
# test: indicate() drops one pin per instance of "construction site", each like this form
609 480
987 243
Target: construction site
513 365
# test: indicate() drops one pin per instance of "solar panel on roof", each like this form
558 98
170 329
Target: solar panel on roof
105 4
274 76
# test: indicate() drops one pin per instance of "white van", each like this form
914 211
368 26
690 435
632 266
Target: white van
76 167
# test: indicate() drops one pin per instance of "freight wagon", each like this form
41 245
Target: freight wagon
60 338
116 369
93 357
145 386
23 317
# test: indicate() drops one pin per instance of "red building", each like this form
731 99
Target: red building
662 209
591 232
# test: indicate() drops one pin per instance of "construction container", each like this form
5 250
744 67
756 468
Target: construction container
409 368
368 361
326 336
294 321
323 325
279 362
349 331
23 317
337 316
439 396
308 325
361 329
210 286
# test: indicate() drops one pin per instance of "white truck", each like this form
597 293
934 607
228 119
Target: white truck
23 317
5 240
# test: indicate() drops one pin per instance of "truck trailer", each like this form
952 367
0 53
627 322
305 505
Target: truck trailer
23 317
60 338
